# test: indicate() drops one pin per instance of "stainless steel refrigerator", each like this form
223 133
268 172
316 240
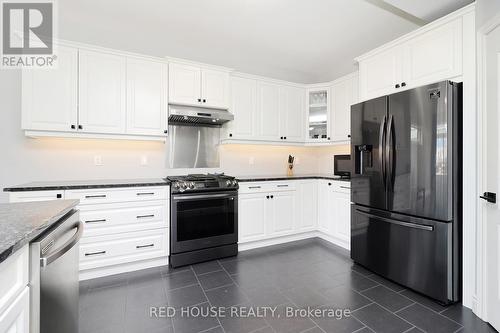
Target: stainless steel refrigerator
406 188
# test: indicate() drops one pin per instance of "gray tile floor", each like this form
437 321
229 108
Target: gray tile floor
291 276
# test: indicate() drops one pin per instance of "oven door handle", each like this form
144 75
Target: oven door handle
202 196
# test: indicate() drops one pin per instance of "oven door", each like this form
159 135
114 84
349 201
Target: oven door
203 220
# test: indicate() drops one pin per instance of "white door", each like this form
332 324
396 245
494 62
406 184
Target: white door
291 117
433 56
343 96
490 180
379 74
268 99
15 319
307 205
284 216
50 97
324 208
184 84
146 97
342 218
215 89
252 216
244 108
102 92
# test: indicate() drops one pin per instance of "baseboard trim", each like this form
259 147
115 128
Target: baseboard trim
122 268
334 240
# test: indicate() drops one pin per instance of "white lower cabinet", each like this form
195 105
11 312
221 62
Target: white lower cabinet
16 318
299 208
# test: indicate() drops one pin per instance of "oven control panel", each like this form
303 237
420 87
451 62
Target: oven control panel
193 186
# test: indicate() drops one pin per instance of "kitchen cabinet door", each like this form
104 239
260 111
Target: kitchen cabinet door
184 84
434 56
307 206
344 94
215 89
268 111
102 92
50 97
244 109
291 114
342 219
325 208
15 319
283 219
379 74
252 216
146 97
318 114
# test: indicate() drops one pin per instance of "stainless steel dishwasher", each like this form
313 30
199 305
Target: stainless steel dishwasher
54 288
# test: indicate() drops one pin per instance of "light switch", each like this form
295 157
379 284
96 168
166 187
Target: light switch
98 160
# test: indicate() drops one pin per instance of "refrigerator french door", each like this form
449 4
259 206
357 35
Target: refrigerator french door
406 188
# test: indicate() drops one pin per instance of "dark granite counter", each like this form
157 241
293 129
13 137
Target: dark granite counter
86 184
20 223
284 177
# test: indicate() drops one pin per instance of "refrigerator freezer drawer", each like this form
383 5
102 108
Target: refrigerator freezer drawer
414 252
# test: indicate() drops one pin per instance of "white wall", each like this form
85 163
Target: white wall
24 159
486 10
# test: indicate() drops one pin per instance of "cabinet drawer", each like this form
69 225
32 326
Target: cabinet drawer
97 196
271 186
100 251
13 277
35 196
341 186
106 219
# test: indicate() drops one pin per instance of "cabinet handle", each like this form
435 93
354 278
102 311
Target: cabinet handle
58 195
96 221
94 253
396 86
281 138
284 137
199 100
165 131
347 188
328 138
73 127
146 193
99 196
403 84
329 184
253 187
282 185
272 196
204 100
145 216
143 246
267 197
230 135
348 135
80 127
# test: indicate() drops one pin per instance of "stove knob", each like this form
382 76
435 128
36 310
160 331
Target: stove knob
176 185
191 185
235 182
183 185
228 183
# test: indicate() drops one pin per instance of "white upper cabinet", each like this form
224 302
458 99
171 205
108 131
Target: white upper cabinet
214 88
318 114
244 108
102 92
50 96
196 86
184 84
291 114
344 93
146 97
430 54
268 97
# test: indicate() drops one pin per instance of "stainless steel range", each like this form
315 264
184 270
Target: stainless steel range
203 218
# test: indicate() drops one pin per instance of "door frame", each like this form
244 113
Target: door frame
480 302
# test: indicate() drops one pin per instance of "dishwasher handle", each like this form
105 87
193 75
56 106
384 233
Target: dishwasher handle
47 260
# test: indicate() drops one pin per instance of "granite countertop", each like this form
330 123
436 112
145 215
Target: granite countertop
284 177
21 223
86 184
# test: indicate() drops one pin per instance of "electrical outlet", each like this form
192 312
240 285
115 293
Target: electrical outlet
98 160
251 160
144 160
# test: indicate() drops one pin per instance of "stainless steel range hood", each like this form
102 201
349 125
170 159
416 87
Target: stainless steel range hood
196 116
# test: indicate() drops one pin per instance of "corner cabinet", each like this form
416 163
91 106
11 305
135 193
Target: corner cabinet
430 54
96 93
344 93
318 114
196 86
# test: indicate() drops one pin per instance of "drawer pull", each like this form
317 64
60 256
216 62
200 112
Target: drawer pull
144 246
348 188
250 187
145 216
95 196
282 185
94 253
146 193
96 221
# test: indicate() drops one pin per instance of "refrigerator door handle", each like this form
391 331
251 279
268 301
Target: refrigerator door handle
397 222
390 152
381 149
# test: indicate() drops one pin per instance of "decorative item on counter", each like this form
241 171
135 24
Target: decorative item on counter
289 169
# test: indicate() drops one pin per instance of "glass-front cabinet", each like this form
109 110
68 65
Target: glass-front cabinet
318 114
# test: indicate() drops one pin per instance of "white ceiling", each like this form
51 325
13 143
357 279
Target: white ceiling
297 40
429 10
